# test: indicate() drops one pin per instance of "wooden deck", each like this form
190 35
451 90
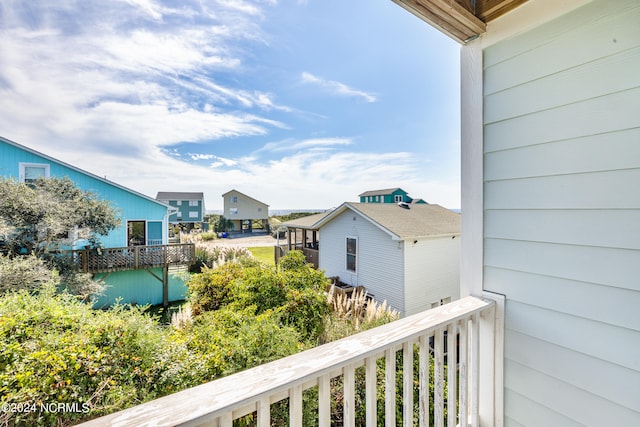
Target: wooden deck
131 258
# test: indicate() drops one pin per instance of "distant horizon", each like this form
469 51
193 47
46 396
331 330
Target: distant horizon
273 212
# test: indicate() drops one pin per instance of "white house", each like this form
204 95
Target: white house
408 256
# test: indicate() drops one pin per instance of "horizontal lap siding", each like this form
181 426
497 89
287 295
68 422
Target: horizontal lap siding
432 272
380 260
562 215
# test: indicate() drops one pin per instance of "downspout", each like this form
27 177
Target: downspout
165 223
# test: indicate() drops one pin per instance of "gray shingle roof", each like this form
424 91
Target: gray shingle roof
168 195
415 222
307 222
382 192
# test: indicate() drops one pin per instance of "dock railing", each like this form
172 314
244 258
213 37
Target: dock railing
407 351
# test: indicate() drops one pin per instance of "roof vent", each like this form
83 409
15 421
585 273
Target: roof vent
404 205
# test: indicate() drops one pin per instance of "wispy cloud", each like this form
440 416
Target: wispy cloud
306 144
338 88
136 71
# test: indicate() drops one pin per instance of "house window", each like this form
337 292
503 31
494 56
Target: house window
234 199
233 211
30 172
352 248
193 203
398 198
194 214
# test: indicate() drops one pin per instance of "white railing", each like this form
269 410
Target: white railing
359 375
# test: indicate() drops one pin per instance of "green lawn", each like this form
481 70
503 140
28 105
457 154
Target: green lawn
263 254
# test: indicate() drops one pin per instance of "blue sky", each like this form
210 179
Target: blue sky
298 103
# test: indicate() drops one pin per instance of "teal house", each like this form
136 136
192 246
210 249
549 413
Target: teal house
189 207
388 195
135 259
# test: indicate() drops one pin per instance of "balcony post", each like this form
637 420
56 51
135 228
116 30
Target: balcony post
491 368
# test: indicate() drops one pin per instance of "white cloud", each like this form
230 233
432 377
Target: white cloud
110 77
313 143
338 88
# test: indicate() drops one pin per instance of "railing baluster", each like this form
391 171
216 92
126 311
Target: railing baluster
295 406
424 380
474 355
226 420
438 374
371 395
464 374
452 350
264 412
324 401
348 378
390 388
407 384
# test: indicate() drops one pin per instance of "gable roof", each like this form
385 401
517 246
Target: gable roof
418 221
383 192
244 195
307 222
67 165
168 195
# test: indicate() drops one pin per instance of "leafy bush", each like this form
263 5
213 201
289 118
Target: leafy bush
55 349
228 340
24 272
209 235
294 290
208 290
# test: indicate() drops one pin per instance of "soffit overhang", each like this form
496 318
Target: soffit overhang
462 20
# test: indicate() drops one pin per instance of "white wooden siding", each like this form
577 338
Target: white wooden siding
380 261
562 215
432 272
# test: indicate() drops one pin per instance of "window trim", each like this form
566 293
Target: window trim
354 255
22 166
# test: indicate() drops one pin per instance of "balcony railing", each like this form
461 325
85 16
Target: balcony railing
311 254
130 258
418 340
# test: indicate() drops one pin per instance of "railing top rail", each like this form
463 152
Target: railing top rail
123 248
207 401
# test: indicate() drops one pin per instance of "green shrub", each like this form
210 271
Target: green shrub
294 290
209 235
57 350
208 290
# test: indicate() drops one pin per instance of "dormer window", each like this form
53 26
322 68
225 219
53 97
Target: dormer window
29 172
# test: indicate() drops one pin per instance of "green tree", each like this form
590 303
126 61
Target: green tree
49 214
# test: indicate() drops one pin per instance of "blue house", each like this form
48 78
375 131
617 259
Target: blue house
135 260
189 207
